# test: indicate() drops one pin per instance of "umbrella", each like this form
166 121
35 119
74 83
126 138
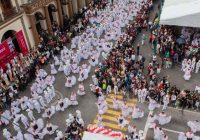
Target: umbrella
180 41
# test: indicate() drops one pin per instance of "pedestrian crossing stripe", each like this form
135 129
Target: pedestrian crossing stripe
121 97
112 126
110 105
116 113
110 116
106 117
128 103
114 116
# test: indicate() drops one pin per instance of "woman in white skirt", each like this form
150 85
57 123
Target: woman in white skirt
93 60
70 81
152 119
61 68
75 68
81 89
187 74
49 112
57 63
194 125
137 113
53 69
62 104
115 103
125 110
122 122
49 129
73 99
163 118
153 104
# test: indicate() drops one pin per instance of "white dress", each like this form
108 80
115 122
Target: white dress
73 100
194 126
125 110
49 112
187 74
102 107
62 104
81 90
137 113
75 68
53 69
151 123
70 81
153 104
49 129
93 61
122 122
61 67
67 69
163 119
56 61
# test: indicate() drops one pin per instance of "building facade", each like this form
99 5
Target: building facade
31 16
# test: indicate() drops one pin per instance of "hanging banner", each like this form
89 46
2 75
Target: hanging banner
4 50
22 42
7 52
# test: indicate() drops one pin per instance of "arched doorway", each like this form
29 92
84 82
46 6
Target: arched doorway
11 34
51 9
38 18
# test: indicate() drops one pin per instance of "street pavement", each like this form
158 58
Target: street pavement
89 109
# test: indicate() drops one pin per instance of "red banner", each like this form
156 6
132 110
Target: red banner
7 52
4 50
22 42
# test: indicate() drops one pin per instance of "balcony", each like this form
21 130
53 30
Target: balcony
31 6
9 15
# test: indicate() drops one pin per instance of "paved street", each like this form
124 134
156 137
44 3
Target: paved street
89 109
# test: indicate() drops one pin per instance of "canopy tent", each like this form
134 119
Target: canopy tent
181 13
92 136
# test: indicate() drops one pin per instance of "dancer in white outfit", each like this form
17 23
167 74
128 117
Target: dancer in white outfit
81 89
61 67
163 118
73 99
187 74
122 122
153 104
53 69
137 113
194 126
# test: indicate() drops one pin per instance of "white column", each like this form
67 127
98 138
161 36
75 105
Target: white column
1 14
43 24
66 10
55 16
75 6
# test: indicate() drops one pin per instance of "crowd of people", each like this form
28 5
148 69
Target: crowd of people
121 71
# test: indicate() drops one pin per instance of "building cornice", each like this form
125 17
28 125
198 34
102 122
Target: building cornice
35 5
